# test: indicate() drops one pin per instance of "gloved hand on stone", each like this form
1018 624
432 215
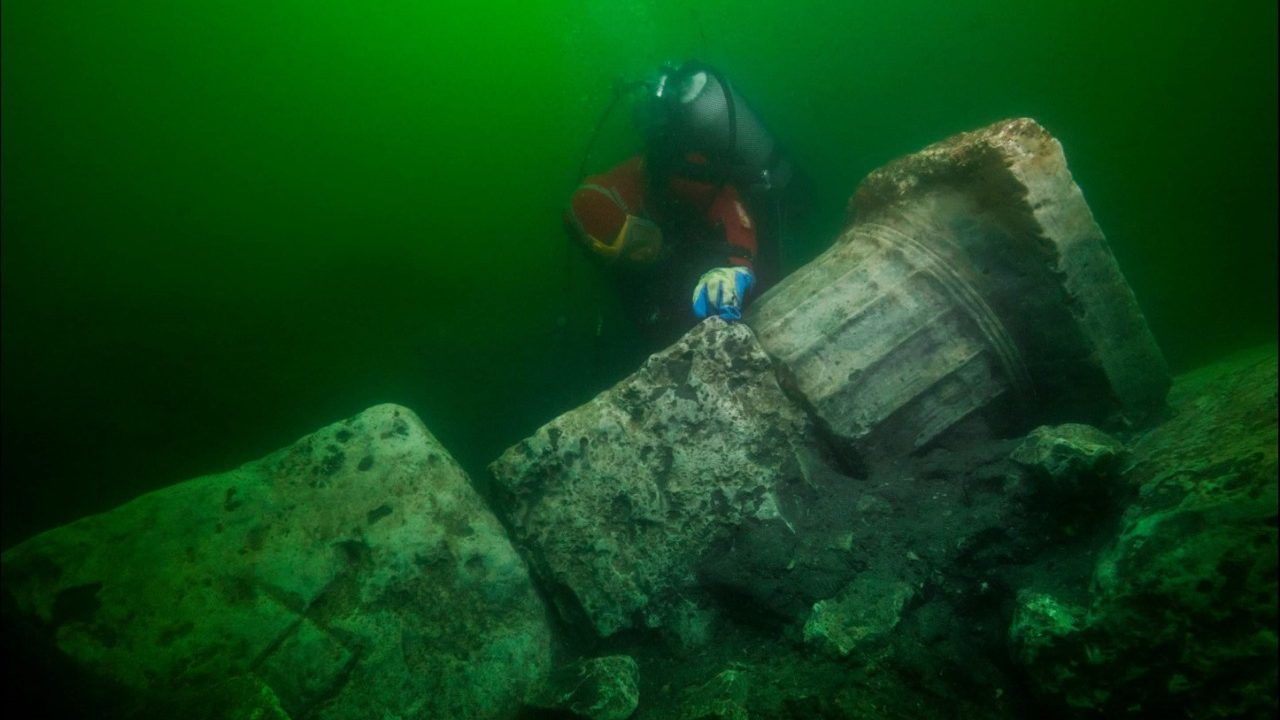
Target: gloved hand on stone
722 291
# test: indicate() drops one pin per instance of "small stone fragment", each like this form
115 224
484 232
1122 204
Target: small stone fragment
866 610
724 697
1044 636
1065 453
603 688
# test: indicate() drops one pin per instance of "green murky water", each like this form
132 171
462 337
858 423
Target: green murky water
226 224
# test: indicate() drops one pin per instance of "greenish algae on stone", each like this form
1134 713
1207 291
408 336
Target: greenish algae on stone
1182 618
354 574
1064 453
723 697
865 611
602 688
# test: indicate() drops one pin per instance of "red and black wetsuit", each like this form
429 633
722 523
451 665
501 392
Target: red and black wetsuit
705 225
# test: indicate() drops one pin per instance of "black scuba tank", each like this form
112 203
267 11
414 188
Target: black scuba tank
694 109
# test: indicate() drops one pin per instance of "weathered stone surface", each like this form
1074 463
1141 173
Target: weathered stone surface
351 575
1064 453
973 293
1044 634
723 697
1074 469
865 611
1182 616
603 688
616 501
996 573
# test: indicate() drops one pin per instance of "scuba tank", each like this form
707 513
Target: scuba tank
692 109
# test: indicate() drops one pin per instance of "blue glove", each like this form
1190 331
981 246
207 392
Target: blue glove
723 291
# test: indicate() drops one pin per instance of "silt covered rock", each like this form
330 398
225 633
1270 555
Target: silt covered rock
1065 453
353 574
723 697
602 688
867 610
1073 471
1182 615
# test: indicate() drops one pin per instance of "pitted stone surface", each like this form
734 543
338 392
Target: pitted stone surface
615 502
1064 453
865 611
602 688
353 574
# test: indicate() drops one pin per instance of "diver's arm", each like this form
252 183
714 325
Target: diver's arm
728 212
603 206
723 291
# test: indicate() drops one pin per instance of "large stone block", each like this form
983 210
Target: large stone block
973 290
354 574
616 502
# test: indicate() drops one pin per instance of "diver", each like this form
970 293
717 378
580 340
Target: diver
688 228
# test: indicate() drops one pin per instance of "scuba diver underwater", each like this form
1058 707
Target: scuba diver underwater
691 226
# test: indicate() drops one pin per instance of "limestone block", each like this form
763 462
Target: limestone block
354 574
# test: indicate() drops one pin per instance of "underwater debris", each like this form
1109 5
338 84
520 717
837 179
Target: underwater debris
699 524
864 612
602 688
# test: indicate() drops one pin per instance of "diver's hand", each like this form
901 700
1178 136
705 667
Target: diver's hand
722 291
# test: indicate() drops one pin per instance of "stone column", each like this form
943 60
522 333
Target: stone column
973 292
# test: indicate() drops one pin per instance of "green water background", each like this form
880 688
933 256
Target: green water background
227 224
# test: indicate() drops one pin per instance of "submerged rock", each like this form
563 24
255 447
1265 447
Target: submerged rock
1065 453
1045 638
603 688
616 502
864 612
723 697
1073 469
353 574
974 294
1182 616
